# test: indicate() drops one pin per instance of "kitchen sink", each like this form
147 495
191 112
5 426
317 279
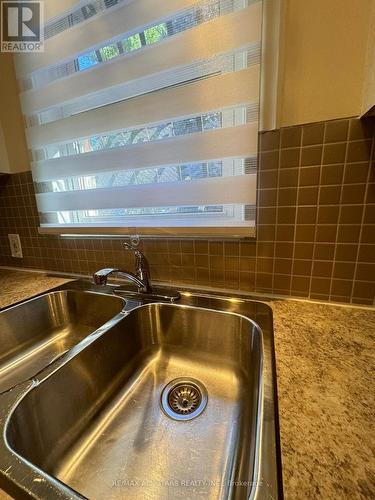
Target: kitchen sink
38 331
172 401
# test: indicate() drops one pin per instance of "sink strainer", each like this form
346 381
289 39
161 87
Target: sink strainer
184 398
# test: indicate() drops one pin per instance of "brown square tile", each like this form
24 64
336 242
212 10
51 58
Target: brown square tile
326 233
301 284
305 232
217 277
265 249
348 233
267 197
247 264
313 134
334 153
266 232
283 266
247 281
216 247
267 215
306 215
286 215
332 174
328 214
356 172
345 252
291 137
232 248
231 263
264 281
302 267
269 160
311 155
289 157
187 246
248 248
341 288
309 176
288 177
359 151
281 282
319 296
270 140
329 195
264 265
320 285
203 276
201 246
337 131
322 269
267 179
324 251
344 270
363 289
361 129
353 193
365 272
303 250
187 260
201 260
285 233
368 234
337 298
287 196
370 197
351 214
355 300
284 249
369 217
307 195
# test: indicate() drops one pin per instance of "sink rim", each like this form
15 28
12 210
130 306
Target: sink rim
10 400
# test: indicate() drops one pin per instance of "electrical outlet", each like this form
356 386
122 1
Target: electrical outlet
15 245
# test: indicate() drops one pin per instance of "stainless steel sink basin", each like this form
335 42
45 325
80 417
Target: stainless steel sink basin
36 332
173 401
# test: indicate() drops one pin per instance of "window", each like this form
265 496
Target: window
142 115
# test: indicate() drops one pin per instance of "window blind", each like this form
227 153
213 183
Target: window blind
142 116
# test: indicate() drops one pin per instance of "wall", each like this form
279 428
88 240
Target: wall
368 100
323 55
316 224
13 150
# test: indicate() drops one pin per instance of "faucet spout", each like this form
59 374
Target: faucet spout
101 277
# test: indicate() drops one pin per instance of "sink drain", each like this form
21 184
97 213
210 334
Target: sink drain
184 399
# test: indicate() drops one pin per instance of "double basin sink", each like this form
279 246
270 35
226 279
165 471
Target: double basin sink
107 397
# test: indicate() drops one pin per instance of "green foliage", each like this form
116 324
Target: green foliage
156 33
131 43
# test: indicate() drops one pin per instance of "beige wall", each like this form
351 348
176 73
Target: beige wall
12 143
323 50
368 101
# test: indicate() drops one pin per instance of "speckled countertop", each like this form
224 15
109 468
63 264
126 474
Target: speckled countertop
20 285
326 370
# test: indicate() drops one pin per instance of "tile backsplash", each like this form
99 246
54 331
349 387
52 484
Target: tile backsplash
315 227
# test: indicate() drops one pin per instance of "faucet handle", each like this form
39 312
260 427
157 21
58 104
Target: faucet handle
141 264
138 253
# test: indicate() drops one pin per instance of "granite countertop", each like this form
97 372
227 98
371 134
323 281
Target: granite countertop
325 368
20 285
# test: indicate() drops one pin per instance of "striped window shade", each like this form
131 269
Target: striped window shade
142 116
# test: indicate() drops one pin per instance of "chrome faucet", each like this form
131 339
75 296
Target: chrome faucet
141 278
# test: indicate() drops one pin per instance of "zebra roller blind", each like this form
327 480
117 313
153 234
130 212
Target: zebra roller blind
142 116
